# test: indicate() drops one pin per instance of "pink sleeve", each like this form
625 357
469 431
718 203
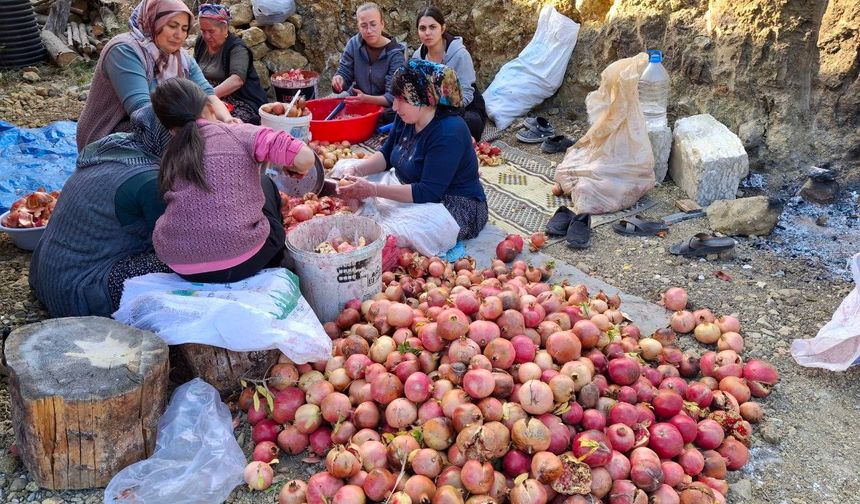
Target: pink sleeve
277 147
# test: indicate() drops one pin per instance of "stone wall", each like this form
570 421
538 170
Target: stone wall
784 75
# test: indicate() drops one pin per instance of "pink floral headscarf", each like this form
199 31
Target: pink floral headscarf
148 18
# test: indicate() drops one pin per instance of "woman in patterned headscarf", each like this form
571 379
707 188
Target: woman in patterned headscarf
133 63
430 149
227 64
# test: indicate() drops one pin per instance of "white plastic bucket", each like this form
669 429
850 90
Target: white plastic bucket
298 127
328 281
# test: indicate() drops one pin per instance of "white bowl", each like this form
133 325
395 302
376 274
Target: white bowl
23 238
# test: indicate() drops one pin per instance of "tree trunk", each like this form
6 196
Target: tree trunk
58 16
86 395
223 368
60 53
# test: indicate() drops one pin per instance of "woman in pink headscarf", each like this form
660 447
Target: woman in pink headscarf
133 63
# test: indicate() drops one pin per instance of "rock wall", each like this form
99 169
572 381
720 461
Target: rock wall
783 74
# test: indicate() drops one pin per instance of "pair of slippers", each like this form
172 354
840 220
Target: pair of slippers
700 245
535 130
576 228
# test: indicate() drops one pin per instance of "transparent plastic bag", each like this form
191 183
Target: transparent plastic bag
612 165
837 345
196 460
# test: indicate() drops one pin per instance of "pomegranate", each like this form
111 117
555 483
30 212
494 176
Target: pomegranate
674 299
294 492
265 452
258 475
506 250
760 376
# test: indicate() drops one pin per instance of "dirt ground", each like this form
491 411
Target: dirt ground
806 450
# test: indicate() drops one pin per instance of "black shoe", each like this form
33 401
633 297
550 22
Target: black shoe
560 221
579 233
556 144
536 132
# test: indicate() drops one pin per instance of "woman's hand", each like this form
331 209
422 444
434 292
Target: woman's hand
359 189
337 84
360 97
302 163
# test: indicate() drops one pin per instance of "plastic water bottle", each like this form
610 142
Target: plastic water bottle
654 91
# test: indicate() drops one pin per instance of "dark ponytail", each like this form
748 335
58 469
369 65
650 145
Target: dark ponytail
178 103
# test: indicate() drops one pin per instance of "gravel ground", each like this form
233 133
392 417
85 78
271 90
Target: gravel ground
805 451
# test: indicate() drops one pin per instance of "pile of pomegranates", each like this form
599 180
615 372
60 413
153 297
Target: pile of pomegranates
464 385
295 210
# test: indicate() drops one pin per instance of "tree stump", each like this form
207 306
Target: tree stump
223 368
87 393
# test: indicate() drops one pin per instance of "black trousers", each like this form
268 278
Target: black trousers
269 256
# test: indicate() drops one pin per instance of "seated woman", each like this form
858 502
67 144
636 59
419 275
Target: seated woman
219 226
101 229
227 64
429 147
131 65
439 46
368 62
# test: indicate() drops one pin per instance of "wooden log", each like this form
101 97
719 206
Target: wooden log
223 368
86 396
109 19
97 27
83 40
41 19
58 17
69 40
59 52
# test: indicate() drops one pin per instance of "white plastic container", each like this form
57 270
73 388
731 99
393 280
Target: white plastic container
298 127
328 281
654 85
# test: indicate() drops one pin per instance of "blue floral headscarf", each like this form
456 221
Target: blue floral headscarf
422 82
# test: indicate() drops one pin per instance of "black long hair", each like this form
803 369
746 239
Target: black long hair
435 13
178 103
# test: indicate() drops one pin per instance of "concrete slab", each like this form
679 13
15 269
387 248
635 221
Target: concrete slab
647 315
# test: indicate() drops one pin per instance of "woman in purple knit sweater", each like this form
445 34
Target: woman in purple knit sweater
220 225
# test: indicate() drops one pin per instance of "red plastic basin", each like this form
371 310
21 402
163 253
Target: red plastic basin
353 130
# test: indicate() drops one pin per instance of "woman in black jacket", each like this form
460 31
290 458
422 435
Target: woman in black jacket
227 64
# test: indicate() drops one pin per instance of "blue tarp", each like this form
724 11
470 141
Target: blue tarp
31 158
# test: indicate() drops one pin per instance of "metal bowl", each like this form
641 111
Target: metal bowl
312 182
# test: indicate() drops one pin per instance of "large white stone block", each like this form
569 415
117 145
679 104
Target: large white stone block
708 161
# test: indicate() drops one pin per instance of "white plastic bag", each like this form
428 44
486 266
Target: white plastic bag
612 165
196 460
426 227
536 73
269 12
837 344
263 312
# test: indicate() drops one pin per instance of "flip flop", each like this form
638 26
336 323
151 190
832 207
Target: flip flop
702 244
637 226
579 233
559 222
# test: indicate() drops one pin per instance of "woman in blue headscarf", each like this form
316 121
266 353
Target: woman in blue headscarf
430 149
101 229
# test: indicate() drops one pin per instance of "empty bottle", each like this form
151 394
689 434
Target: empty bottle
654 91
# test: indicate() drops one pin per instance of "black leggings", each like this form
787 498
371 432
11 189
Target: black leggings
272 253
